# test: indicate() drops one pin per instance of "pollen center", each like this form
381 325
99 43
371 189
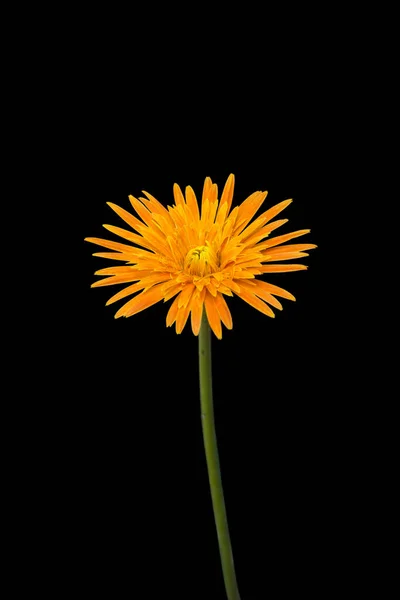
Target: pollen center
201 261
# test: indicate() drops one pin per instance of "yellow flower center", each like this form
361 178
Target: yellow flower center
201 261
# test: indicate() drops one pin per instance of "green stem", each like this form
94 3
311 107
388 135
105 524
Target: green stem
214 474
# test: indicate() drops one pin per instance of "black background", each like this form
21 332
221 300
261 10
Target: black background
117 459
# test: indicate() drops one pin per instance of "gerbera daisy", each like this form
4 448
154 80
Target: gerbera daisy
199 256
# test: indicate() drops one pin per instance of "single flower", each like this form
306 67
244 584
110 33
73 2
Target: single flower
199 256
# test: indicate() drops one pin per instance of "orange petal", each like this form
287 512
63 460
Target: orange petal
127 217
132 237
140 302
166 226
229 224
128 291
211 214
141 210
281 239
191 201
117 271
111 245
185 295
252 229
274 289
178 196
117 256
227 193
197 302
243 274
212 288
213 315
256 289
223 311
205 209
225 290
171 288
157 207
248 209
173 311
232 285
281 268
262 233
275 210
182 316
291 248
221 215
206 190
251 299
283 256
134 275
115 279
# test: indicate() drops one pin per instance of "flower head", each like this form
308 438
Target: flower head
199 257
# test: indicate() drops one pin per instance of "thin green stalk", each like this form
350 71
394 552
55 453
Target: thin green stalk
214 473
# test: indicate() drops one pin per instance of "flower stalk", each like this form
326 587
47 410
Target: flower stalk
211 450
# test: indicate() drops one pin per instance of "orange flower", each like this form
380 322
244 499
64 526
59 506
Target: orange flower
199 257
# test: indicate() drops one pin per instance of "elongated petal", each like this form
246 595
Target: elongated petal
196 307
116 271
185 295
256 289
283 256
111 245
158 208
213 315
232 285
275 210
172 291
191 201
285 238
227 193
290 248
127 217
183 313
178 196
116 256
223 289
248 209
223 311
141 210
172 313
262 233
206 191
140 302
252 299
114 280
151 280
127 235
128 291
281 268
274 289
